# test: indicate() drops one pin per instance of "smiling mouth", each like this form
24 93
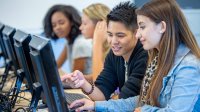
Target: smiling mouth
116 49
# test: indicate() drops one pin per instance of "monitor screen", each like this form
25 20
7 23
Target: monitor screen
21 45
45 67
8 33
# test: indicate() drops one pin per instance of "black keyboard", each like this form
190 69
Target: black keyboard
70 97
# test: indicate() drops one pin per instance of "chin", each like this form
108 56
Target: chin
146 48
117 54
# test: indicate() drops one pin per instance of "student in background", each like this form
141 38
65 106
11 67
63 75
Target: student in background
172 80
94 27
124 65
63 21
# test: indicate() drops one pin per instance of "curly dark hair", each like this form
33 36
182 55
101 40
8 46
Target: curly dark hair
124 13
71 13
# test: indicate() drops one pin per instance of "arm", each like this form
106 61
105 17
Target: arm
182 94
99 39
77 80
62 57
79 64
121 105
137 69
107 81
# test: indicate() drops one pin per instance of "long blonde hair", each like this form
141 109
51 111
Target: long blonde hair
98 12
177 31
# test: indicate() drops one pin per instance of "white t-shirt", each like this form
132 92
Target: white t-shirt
81 48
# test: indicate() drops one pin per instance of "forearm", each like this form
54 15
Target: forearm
97 60
79 64
62 57
88 77
96 94
60 62
121 105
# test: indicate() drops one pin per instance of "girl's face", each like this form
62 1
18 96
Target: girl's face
61 24
149 32
87 27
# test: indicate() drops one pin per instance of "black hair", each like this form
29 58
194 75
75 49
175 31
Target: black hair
124 13
71 13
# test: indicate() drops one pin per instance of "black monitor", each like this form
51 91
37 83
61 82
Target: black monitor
45 67
2 47
8 33
11 61
21 45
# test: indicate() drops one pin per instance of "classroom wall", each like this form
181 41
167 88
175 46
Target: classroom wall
27 15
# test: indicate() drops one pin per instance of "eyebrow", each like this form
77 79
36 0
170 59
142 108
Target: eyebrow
140 23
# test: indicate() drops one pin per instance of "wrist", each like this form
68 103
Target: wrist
89 88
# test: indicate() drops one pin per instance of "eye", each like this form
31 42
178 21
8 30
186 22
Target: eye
109 34
120 35
142 27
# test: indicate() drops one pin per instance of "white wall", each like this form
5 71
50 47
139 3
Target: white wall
28 15
193 19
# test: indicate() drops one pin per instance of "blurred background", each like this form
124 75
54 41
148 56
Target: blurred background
28 15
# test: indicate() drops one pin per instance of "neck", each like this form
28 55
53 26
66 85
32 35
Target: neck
128 55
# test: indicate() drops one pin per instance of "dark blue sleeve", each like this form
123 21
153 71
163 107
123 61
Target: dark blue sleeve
107 80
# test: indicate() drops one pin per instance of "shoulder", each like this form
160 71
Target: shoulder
185 58
82 42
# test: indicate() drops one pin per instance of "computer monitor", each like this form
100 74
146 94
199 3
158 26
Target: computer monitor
2 47
45 67
8 33
21 45
11 62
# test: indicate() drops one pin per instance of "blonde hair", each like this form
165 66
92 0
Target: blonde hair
98 12
177 31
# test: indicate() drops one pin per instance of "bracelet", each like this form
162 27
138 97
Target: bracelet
92 89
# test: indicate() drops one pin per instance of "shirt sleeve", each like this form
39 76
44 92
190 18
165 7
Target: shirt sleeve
120 105
107 80
182 94
82 48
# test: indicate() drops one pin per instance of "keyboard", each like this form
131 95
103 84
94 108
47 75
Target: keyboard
70 97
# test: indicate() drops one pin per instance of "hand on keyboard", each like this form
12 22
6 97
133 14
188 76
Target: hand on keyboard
85 104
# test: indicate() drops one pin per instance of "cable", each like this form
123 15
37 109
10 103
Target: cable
20 108
5 103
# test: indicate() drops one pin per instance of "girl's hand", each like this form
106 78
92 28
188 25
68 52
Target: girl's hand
85 104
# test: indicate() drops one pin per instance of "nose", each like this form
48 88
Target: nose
114 40
138 35
57 27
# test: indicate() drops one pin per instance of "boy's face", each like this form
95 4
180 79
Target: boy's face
122 40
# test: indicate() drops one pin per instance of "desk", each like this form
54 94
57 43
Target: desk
24 103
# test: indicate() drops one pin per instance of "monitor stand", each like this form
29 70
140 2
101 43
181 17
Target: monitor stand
5 74
16 90
37 89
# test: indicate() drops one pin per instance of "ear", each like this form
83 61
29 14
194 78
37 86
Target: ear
162 26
